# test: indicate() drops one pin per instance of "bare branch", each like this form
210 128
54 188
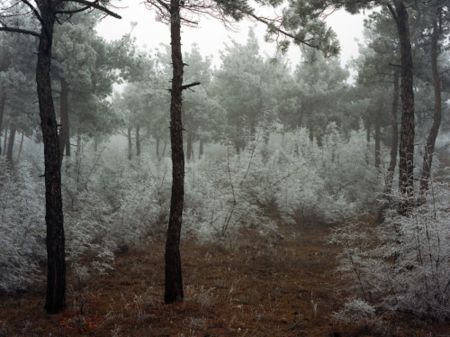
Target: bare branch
18 30
87 5
190 85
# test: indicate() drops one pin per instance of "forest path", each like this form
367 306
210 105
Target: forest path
261 287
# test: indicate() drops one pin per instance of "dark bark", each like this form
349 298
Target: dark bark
5 139
56 266
173 273
130 144
437 116
377 138
407 132
11 140
138 141
64 134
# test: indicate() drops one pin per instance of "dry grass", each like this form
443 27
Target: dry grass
285 287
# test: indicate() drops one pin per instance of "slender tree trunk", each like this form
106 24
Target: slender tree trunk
2 112
189 147
368 138
201 146
437 86
64 134
130 144
157 149
56 266
173 273
5 139
377 138
407 132
138 141
164 148
11 140
394 136
20 147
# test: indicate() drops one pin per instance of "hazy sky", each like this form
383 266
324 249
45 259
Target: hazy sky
211 35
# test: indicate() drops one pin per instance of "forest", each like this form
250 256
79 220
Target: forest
167 192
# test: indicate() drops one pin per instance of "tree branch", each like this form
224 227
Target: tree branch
190 85
88 4
19 30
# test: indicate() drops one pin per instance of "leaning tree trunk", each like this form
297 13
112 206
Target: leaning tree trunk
437 86
64 135
5 139
173 274
19 153
130 144
56 267
407 132
11 140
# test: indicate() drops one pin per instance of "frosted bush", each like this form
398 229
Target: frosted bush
404 264
356 311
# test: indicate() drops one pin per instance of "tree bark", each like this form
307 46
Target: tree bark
11 140
64 134
56 266
5 139
437 116
138 141
20 147
157 148
173 273
407 132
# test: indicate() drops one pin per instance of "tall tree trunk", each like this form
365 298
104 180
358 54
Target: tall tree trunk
138 141
2 112
201 149
377 138
157 148
5 140
407 132
437 86
173 273
64 134
20 147
56 266
189 147
11 140
394 136
130 144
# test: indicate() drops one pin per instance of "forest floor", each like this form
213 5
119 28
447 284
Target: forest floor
285 286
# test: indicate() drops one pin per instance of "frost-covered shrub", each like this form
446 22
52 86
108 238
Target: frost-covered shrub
356 311
22 230
405 263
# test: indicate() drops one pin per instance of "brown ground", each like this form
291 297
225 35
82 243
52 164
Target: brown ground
282 287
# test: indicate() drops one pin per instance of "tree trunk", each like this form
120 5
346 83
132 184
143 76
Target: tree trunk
189 147
130 144
157 149
2 112
437 86
64 134
5 139
173 274
138 141
201 149
407 132
20 148
377 138
56 267
394 141
11 140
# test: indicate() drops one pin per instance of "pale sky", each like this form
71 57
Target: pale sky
211 35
